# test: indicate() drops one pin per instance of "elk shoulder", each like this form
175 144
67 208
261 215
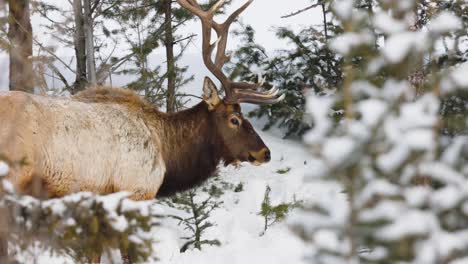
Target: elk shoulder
101 141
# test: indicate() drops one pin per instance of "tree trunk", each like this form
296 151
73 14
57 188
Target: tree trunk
3 248
169 43
89 39
21 45
3 235
80 48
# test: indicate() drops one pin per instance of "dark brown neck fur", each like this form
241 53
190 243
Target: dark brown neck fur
192 149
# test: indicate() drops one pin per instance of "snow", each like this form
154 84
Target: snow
120 223
8 187
419 114
394 158
337 150
238 226
377 188
419 139
414 125
400 45
386 210
412 223
70 222
346 42
278 246
372 111
443 173
393 89
447 242
456 79
328 240
459 75
444 22
57 208
112 201
446 198
388 24
460 261
320 109
417 196
441 245
364 88
452 153
4 168
405 211
375 65
343 9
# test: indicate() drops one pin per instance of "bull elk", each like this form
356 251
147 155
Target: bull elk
106 140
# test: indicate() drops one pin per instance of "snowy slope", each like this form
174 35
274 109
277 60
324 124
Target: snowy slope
238 226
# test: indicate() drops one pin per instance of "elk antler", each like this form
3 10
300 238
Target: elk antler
236 92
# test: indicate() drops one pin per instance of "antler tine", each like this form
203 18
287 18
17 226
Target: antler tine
262 101
207 22
216 6
267 95
236 92
194 3
222 30
193 7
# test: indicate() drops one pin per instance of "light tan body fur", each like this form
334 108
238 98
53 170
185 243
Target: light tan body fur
103 143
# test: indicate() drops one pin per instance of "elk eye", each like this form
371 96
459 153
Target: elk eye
235 121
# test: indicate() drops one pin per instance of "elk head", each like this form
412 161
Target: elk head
241 141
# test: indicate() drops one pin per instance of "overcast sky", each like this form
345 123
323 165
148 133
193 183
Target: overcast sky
263 15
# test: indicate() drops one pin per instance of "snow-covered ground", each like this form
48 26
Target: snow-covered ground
238 225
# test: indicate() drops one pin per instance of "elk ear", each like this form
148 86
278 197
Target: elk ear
210 94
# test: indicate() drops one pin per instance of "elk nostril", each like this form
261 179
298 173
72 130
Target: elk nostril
267 156
251 158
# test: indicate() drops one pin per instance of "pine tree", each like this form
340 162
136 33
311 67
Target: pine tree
81 225
274 213
195 208
404 181
197 220
309 66
147 26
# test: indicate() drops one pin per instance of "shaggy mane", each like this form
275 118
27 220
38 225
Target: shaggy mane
192 148
102 94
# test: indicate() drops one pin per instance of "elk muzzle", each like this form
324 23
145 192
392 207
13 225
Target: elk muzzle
259 157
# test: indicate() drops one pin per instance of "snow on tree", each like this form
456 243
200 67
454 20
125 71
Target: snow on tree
406 183
81 225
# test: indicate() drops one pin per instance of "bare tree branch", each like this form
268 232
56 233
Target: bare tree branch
301 10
